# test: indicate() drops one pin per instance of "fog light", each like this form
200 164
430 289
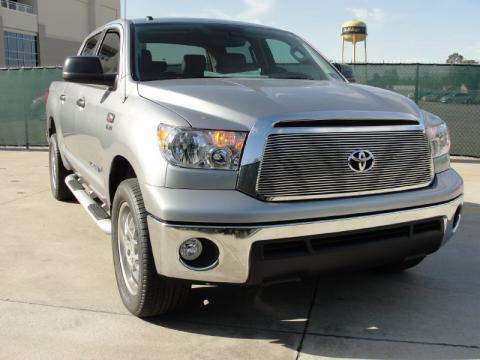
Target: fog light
191 249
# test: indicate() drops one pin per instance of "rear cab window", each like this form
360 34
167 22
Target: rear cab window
168 56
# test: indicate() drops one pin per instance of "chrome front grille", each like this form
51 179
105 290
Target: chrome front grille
315 165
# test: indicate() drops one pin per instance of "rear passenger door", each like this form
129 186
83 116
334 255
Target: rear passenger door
94 132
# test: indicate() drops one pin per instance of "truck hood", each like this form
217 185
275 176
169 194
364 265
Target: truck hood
236 104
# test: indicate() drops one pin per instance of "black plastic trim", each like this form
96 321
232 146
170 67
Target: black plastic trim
343 123
274 260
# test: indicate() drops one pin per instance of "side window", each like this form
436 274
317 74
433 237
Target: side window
283 54
109 53
89 47
244 50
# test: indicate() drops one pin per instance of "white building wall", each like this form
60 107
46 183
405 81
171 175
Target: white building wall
17 21
64 19
60 25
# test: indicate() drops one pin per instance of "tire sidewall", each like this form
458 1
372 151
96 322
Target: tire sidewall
124 194
53 150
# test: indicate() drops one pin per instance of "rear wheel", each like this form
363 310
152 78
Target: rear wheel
58 172
401 265
143 292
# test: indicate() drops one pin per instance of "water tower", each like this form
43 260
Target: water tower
354 31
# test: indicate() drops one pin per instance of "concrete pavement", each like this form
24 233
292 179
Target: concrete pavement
58 297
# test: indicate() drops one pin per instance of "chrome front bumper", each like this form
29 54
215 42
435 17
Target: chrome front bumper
235 241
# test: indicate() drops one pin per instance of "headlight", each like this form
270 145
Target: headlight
202 149
438 135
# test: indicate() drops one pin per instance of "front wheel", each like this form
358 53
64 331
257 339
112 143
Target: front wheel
143 292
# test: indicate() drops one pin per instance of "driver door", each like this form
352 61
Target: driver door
94 132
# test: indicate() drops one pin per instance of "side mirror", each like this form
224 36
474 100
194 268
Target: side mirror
87 70
346 71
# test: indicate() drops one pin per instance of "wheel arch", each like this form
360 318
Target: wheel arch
120 170
51 127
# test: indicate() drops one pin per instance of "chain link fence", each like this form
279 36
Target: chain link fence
449 91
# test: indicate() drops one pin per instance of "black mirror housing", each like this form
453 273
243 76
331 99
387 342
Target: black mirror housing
86 70
346 71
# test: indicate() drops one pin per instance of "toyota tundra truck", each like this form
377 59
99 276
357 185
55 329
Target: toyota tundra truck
219 152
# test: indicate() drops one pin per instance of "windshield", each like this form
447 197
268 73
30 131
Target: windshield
178 51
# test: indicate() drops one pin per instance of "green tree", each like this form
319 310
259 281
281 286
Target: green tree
457 58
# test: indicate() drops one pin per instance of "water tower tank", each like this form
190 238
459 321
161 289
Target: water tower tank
354 31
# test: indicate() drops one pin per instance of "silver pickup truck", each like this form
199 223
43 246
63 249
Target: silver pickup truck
224 152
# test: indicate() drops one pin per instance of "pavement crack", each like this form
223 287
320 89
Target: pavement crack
351 337
62 307
305 329
23 197
159 321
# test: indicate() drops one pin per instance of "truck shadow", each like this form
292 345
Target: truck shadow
427 312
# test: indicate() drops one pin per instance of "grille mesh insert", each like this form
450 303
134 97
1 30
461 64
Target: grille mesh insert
316 164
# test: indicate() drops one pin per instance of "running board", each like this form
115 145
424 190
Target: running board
100 216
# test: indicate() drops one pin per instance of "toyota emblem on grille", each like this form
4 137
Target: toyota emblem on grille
361 161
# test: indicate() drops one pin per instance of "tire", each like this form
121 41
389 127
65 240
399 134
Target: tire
401 266
58 172
144 293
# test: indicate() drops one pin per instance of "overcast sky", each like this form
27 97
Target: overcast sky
398 31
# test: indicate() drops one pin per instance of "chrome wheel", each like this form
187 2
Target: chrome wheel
128 248
53 165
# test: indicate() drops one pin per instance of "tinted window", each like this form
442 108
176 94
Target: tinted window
282 52
109 53
245 50
197 50
290 58
173 54
89 48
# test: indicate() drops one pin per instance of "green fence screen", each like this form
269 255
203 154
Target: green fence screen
22 105
449 91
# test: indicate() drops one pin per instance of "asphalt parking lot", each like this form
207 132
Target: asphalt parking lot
58 297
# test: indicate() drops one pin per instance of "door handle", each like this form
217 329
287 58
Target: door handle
81 102
63 97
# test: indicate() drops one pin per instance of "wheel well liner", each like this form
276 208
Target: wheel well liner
51 127
120 170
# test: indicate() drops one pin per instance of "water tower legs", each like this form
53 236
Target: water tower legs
354 42
366 61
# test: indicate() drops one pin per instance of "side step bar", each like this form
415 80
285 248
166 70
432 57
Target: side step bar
100 216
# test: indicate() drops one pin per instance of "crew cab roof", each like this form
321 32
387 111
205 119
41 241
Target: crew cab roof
193 21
